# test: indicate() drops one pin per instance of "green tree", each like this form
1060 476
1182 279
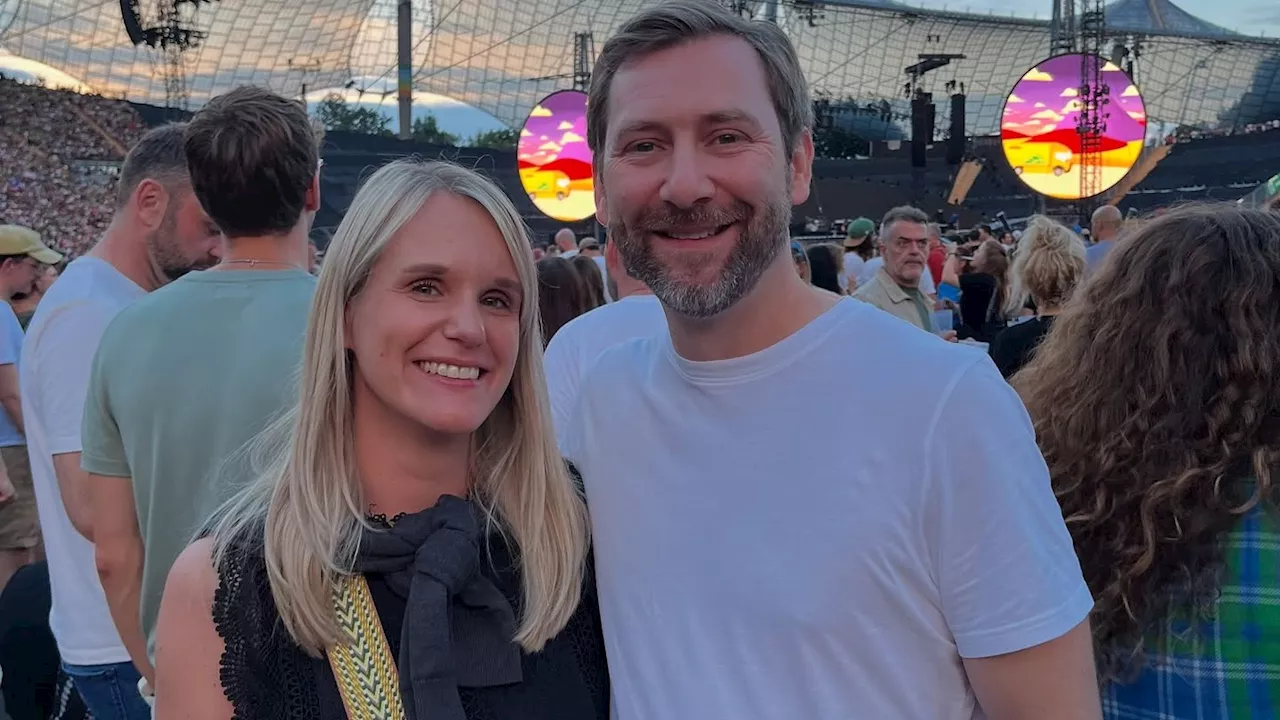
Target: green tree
425 129
335 114
504 139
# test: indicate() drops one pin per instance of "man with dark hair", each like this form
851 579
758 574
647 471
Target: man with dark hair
222 348
747 567
895 288
158 234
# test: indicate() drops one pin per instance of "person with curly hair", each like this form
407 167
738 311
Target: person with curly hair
1156 400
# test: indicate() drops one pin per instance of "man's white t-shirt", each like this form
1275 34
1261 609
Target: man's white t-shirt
766 549
579 343
54 380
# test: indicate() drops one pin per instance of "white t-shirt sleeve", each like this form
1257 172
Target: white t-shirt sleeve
561 364
1008 576
10 336
63 363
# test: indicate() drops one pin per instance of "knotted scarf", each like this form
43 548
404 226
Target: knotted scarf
458 626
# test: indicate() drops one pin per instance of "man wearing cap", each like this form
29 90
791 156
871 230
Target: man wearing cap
23 258
858 249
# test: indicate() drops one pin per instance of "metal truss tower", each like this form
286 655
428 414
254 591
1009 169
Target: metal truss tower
1095 96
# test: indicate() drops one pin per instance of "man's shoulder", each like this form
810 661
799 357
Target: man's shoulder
80 290
870 290
884 346
626 360
590 323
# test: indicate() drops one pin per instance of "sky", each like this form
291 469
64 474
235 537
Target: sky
1248 16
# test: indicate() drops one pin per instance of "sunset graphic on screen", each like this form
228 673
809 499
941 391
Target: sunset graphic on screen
555 162
1038 128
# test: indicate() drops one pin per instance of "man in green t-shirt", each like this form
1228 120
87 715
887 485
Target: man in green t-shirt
189 374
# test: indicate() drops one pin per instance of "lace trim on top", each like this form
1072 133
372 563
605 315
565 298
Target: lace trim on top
257 678
381 520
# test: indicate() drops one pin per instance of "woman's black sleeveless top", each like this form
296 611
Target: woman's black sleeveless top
267 676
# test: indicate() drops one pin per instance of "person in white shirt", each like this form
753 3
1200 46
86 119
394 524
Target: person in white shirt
859 248
576 346
566 242
751 563
158 233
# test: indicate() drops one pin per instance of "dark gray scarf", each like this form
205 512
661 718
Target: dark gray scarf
458 626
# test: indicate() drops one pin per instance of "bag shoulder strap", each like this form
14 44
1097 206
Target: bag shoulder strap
363 667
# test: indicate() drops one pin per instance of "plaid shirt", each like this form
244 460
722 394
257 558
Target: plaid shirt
1228 669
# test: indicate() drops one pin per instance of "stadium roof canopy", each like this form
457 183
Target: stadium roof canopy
502 56
1159 16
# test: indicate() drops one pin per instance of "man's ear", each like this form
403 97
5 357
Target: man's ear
150 202
602 202
311 202
802 168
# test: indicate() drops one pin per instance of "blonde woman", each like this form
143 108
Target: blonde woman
417 548
1047 268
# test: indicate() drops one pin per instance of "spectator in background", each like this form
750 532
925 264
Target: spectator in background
163 430
24 304
561 295
801 259
590 247
566 243
159 232
1105 226
859 248
983 280
824 267
937 259
1047 268
895 288
1158 412
22 260
592 281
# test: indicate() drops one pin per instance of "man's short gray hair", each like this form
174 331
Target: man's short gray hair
681 21
902 213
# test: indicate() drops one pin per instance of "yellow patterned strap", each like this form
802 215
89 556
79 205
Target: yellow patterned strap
365 671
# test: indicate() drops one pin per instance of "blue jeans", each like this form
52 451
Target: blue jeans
110 691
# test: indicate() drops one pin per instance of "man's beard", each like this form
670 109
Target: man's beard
162 246
760 239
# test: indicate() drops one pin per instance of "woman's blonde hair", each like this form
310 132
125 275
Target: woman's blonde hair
307 505
1047 266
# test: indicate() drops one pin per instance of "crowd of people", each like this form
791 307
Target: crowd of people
41 132
995 288
692 469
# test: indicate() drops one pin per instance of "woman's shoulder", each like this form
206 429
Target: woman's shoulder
193 573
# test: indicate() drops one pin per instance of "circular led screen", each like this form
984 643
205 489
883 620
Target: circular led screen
1038 128
555 162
